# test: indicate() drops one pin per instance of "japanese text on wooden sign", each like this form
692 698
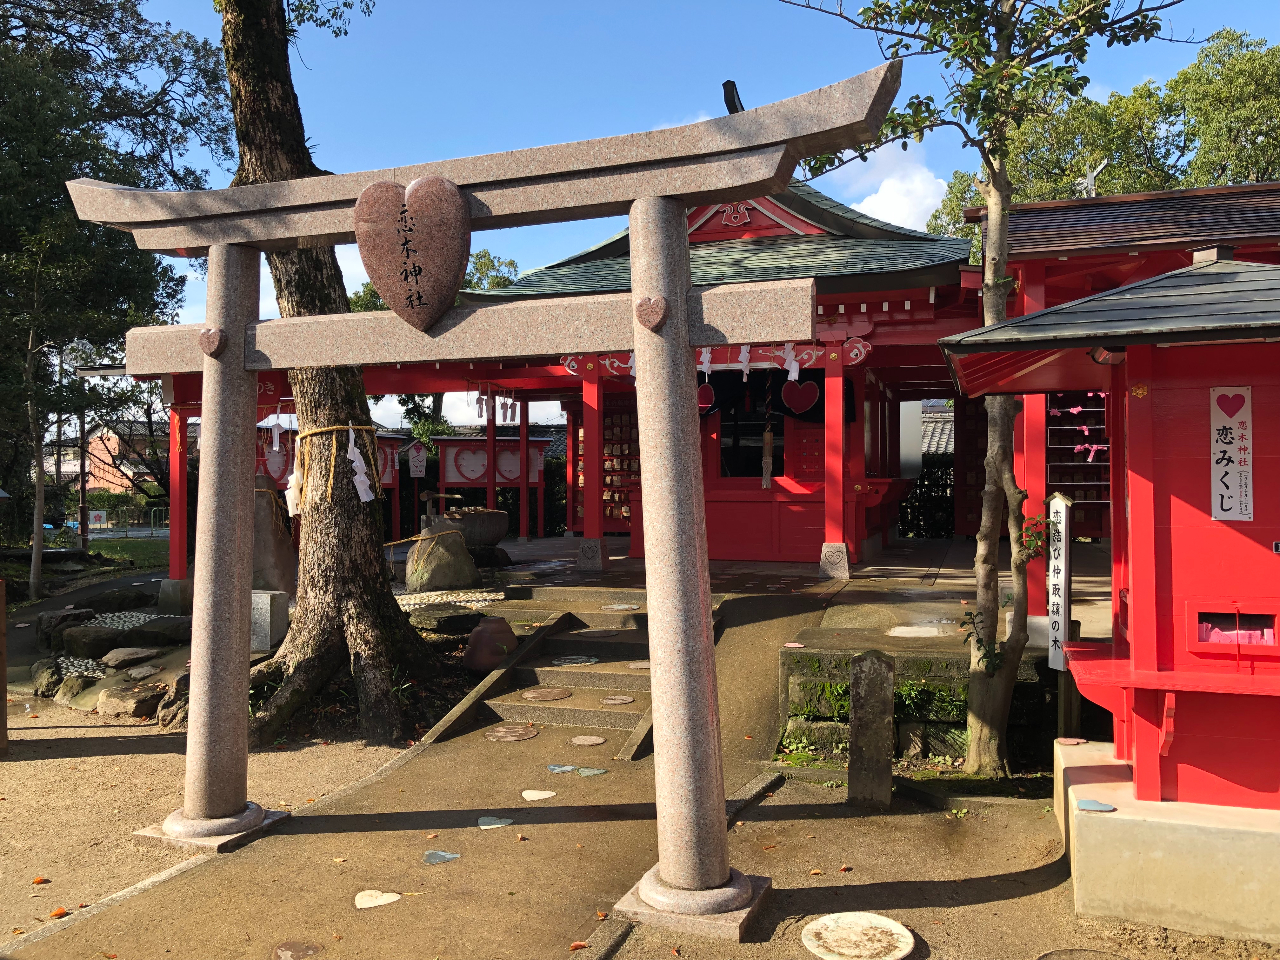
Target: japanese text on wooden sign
1231 452
417 459
1059 571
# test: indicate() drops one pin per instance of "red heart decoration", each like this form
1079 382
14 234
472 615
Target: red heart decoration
472 464
1230 405
706 397
415 244
799 396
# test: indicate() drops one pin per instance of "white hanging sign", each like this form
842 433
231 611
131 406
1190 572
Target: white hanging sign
417 459
1059 571
1231 452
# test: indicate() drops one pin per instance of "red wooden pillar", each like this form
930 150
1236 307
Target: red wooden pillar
834 454
875 421
491 452
1142 528
570 471
858 437
177 495
1033 479
524 470
1116 431
593 451
894 435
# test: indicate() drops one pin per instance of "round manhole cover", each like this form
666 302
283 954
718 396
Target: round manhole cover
547 693
857 936
510 733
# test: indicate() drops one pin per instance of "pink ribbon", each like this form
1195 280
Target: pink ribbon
1092 448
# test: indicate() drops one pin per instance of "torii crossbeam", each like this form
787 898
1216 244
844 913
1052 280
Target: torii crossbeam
653 177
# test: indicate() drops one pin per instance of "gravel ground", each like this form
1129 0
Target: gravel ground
75 786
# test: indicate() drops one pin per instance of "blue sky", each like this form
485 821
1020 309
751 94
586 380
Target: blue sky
425 80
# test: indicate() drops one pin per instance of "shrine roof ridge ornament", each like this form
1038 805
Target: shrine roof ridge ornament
737 157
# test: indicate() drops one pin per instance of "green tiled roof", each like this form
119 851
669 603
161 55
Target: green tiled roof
803 193
742 261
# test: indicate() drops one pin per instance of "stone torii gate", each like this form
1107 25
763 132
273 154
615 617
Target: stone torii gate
653 177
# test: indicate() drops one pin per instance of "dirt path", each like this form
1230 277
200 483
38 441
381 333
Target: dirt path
76 786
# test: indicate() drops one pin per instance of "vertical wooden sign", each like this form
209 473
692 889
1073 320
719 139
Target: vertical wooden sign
1058 564
1231 452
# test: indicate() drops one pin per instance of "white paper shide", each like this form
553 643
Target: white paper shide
1231 453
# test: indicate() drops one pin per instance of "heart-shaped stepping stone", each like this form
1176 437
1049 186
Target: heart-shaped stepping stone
547 693
414 244
616 701
574 661
510 733
621 606
590 771
433 858
587 741
374 898
639 665
561 767
537 794
493 823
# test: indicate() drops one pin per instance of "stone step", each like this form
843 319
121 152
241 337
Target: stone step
611 673
590 613
582 709
603 643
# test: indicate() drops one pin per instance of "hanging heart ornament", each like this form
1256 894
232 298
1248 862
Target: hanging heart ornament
415 244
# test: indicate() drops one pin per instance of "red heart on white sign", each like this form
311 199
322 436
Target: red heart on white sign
1230 405
472 464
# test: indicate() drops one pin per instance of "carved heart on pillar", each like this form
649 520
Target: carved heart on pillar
799 395
213 340
414 244
652 312
472 464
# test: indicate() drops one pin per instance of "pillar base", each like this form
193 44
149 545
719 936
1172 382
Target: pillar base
834 561
746 892
592 554
217 835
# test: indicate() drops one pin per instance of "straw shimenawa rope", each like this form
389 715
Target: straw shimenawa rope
305 459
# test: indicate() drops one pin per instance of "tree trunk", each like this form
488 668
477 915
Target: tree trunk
993 667
345 607
35 422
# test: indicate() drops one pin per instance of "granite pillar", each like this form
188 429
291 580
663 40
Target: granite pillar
524 471
215 799
871 730
693 875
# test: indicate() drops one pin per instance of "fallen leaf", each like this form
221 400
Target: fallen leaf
312 800
601 915
770 846
579 846
577 945
82 906
746 738
845 868
520 836
339 859
739 823
41 880
432 836
675 951
337 936
17 931
58 913
815 873
109 956
33 716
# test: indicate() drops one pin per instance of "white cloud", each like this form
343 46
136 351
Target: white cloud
892 185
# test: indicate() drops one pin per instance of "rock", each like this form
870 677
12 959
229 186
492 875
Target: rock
175 598
140 701
172 712
490 643
275 562
122 657
441 562
160 632
114 601
487 556
142 672
72 687
455 624
49 622
90 641
46 677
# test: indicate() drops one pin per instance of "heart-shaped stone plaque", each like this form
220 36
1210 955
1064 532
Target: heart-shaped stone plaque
414 244
374 898
652 312
213 340
532 795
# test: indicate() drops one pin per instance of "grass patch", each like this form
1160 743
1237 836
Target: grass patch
146 554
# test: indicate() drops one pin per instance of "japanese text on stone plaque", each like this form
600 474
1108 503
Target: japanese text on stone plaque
1231 452
410 268
1059 573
